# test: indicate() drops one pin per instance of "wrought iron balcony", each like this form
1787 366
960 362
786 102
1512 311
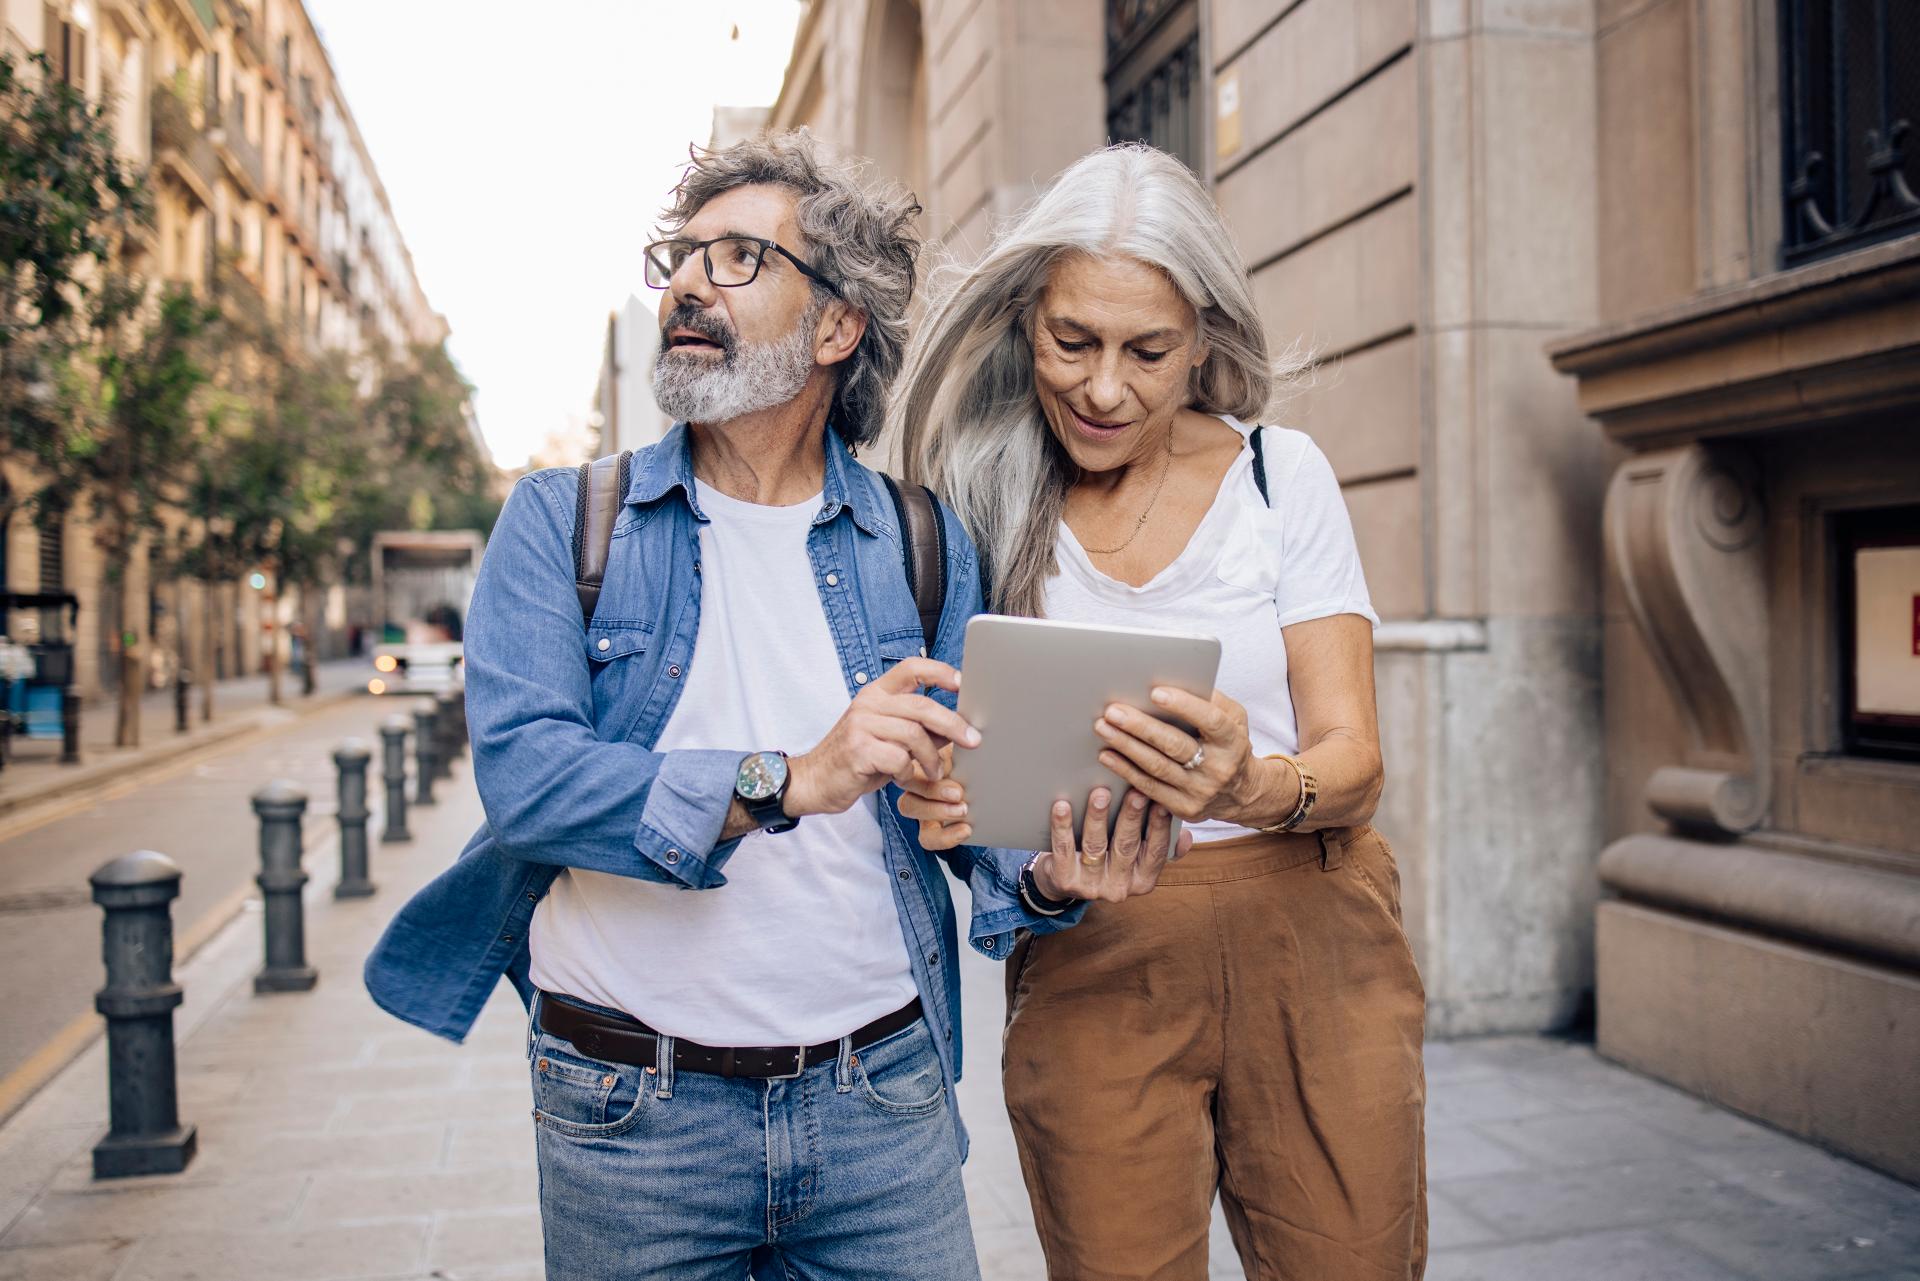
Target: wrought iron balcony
241 156
1849 99
177 140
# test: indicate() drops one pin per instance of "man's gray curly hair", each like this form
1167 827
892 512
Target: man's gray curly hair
859 234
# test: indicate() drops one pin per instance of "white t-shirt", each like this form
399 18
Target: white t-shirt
1248 571
803 942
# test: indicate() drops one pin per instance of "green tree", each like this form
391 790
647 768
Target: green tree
67 202
125 417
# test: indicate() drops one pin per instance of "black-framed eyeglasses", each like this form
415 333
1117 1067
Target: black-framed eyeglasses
731 261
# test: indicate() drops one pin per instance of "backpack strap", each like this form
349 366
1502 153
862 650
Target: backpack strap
1255 438
603 484
924 536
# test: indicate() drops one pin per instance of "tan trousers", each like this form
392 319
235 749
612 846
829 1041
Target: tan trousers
1252 1026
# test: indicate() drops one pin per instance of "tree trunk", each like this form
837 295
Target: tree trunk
270 649
210 630
127 729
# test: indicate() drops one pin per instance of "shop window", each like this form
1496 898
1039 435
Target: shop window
1155 77
1849 102
1879 580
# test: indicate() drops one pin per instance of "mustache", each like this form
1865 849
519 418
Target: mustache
701 321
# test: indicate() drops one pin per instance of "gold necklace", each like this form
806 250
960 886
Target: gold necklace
1142 522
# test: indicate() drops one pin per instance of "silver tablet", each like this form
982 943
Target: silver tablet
1033 689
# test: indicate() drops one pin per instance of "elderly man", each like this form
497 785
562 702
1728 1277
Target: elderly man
757 1074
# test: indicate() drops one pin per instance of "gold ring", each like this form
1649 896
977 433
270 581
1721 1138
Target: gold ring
1093 859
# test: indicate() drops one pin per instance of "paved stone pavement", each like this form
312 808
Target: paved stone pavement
336 1143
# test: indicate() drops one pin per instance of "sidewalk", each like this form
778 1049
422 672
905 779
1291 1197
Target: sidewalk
336 1143
33 771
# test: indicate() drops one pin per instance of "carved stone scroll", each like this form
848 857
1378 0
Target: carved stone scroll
1684 530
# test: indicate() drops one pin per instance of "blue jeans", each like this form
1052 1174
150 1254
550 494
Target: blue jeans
849 1172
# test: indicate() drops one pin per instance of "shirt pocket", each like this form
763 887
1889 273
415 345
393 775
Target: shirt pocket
1251 552
615 654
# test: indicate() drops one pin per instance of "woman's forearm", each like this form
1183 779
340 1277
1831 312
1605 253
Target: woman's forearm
1346 771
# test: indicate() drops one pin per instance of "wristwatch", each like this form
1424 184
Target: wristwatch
1037 902
761 785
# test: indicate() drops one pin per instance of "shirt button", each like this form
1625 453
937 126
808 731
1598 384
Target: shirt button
923 651
673 670
859 678
987 943
604 645
933 958
905 875
673 856
833 580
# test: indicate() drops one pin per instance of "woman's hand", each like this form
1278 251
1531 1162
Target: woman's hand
939 805
1213 774
1107 869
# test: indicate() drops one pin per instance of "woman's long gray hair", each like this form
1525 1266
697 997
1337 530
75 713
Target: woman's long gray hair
970 422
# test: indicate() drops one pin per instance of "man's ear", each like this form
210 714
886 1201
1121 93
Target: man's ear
838 333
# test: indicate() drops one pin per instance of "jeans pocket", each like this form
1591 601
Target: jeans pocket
584 1097
901 1074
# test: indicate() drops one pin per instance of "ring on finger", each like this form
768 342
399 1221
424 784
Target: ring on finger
1199 754
1093 858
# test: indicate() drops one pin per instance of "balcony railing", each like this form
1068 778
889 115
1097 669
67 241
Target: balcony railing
249 29
176 136
1849 100
237 150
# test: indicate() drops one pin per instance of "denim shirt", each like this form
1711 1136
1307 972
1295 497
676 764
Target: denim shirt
563 717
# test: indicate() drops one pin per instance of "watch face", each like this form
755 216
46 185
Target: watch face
761 776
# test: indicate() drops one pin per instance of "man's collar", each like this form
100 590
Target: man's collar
669 465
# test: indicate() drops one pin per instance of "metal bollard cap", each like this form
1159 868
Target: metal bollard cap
142 867
280 797
352 750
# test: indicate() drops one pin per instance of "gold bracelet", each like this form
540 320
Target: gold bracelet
1309 793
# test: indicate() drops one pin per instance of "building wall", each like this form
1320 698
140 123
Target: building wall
1411 184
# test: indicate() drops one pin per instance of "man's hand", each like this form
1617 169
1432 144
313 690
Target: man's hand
1108 869
886 731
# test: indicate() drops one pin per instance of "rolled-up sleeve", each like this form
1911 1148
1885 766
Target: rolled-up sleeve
553 790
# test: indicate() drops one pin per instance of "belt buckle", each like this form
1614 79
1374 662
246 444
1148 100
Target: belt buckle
799 1065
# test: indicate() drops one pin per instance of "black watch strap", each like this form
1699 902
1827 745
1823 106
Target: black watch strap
1039 902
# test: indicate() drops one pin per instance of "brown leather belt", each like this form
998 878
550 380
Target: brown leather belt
623 1040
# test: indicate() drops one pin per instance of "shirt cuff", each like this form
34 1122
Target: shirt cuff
999 909
686 810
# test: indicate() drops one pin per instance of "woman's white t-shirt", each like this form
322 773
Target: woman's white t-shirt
1249 570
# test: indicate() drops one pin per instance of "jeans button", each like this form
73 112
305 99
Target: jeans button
673 856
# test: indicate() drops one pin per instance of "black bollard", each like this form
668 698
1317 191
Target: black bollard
145 1135
393 742
280 805
443 736
459 705
182 684
426 736
350 759
69 726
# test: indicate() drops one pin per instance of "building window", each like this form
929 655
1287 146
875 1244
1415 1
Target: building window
1850 96
1879 579
1154 77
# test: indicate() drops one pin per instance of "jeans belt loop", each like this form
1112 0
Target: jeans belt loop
1332 853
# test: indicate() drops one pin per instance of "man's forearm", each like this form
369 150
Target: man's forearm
738 823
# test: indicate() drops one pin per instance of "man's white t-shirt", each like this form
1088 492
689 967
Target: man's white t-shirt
803 942
1248 571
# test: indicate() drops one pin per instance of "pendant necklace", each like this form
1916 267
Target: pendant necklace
1142 522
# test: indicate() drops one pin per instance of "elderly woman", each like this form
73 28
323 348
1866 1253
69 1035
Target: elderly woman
1084 397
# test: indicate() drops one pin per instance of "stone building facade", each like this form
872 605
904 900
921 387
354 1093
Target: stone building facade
1493 222
263 190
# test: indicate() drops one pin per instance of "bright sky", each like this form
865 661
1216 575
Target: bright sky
527 152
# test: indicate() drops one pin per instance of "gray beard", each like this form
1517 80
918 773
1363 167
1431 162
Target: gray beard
753 376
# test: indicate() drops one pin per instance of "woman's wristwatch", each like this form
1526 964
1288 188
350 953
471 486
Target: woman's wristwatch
1309 793
1039 903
